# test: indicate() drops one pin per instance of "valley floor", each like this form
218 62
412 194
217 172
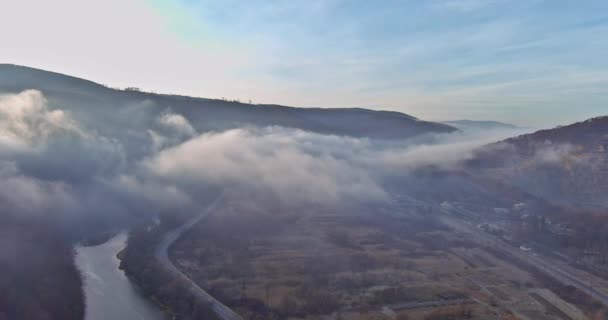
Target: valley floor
347 263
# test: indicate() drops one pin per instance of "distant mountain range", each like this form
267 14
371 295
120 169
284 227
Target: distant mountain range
478 124
92 102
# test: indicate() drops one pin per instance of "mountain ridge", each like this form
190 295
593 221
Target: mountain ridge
480 124
73 93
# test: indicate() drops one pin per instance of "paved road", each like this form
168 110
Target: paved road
542 264
162 255
429 304
413 305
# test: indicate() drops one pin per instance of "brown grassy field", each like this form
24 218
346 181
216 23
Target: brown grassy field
347 263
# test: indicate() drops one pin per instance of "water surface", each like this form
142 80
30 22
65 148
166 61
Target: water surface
109 294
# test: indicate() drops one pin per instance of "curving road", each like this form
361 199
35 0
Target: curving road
162 256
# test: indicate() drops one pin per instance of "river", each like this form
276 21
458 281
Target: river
109 294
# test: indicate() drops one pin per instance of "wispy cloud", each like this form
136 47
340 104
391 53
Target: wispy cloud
462 5
413 56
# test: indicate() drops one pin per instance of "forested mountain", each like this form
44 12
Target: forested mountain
567 165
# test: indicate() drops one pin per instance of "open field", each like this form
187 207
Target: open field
333 263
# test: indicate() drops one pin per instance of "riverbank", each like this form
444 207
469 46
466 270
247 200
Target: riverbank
109 293
36 262
139 263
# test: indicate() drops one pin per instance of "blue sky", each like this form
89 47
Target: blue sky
535 63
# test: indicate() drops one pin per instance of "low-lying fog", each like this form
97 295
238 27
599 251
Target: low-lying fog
53 164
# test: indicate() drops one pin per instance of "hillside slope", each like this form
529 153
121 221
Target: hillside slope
97 103
567 165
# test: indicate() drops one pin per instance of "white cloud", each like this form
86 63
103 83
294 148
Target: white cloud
443 155
26 122
54 164
29 196
272 159
298 165
177 123
158 141
557 154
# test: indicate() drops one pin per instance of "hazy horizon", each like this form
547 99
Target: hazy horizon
437 60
